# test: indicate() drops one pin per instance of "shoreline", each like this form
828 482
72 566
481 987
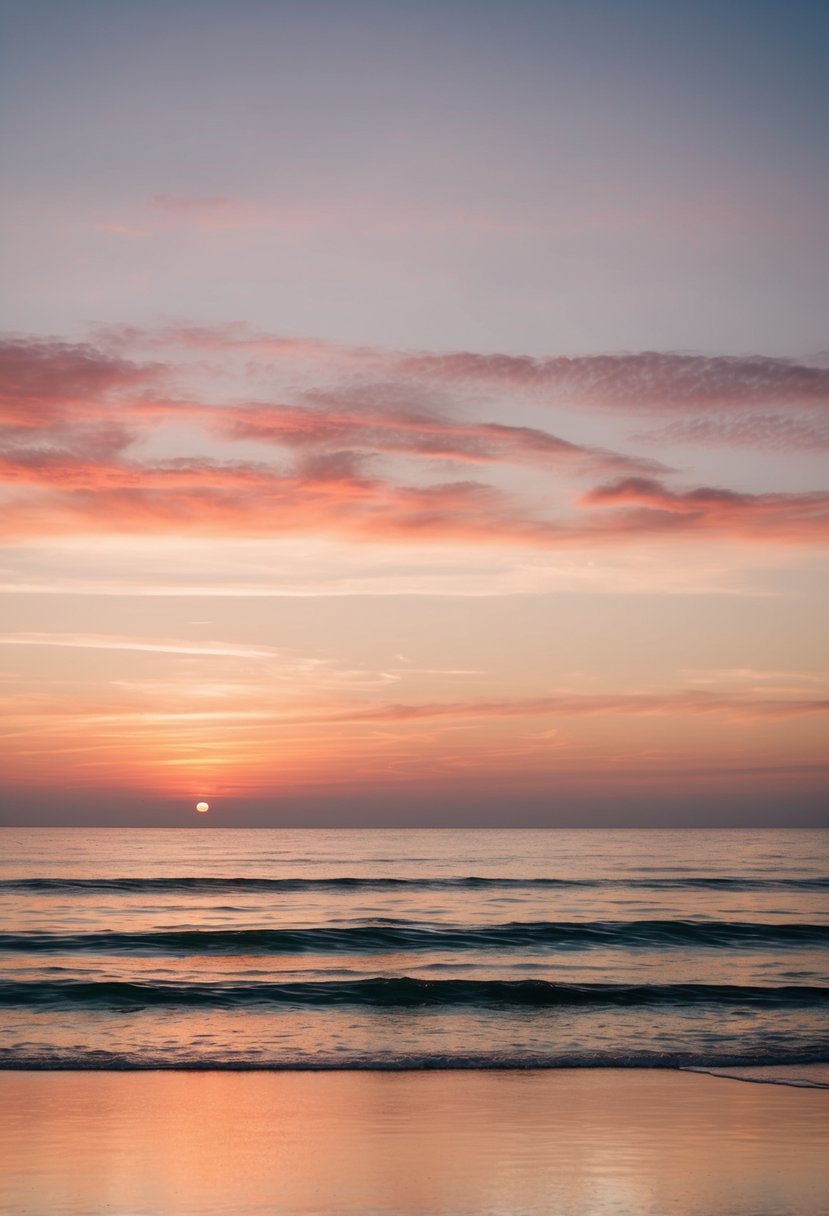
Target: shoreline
804 1074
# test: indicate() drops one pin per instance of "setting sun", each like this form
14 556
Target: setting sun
201 807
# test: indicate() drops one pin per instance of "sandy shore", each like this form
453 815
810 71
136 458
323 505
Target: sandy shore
586 1142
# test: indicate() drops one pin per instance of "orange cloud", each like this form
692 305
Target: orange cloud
327 497
330 493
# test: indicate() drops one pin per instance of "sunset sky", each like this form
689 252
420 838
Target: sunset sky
414 412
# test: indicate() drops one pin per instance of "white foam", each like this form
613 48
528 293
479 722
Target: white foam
800 1076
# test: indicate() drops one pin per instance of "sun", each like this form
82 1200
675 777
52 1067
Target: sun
201 807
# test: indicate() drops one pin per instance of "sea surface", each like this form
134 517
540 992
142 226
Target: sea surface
217 949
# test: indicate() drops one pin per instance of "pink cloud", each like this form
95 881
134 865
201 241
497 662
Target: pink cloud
791 517
43 378
326 494
646 381
420 434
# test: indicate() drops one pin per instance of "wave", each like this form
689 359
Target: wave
397 936
17 1059
214 883
798 1076
405 991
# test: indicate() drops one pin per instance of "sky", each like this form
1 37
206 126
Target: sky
414 414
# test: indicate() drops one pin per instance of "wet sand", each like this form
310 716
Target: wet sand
581 1142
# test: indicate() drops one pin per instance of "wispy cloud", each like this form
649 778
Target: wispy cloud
242 676
226 567
768 432
787 517
639 382
643 381
44 713
94 641
679 704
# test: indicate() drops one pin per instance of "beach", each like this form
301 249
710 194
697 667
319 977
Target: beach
581 1141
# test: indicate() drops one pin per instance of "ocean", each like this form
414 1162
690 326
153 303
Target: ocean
288 949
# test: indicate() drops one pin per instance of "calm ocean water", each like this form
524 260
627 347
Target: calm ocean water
365 949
